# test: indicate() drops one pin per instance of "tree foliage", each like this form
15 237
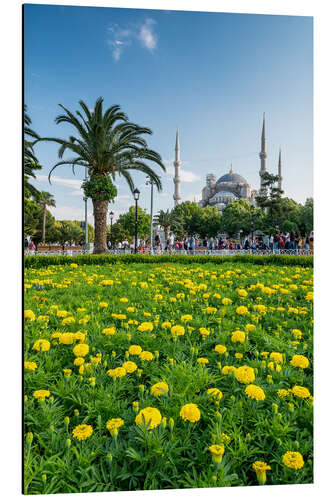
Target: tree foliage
106 144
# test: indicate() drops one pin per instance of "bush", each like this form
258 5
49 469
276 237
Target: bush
38 261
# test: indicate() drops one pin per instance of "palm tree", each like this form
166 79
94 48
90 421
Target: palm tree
106 144
45 199
30 161
164 219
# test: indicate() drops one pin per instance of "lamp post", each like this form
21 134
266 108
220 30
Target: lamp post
149 181
240 237
136 194
111 219
252 224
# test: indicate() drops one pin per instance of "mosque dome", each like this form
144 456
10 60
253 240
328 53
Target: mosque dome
231 177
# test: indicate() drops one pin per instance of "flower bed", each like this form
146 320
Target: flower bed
167 376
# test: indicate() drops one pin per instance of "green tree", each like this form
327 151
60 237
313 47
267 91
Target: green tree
211 222
33 222
30 161
186 218
119 233
306 217
106 144
44 199
127 221
238 215
164 219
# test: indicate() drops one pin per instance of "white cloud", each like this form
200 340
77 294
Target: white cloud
70 213
147 36
62 181
185 175
121 37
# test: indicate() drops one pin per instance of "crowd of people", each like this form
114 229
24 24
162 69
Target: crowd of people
191 243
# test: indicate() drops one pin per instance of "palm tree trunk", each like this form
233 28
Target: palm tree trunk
166 232
44 224
100 215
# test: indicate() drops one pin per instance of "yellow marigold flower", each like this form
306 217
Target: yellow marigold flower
177 330
225 438
146 326
135 350
159 389
220 349
73 265
123 300
215 393
103 305
242 310
238 336
245 374
190 412
186 318
62 314
217 451
202 361
166 324
67 372
68 321
264 354
106 282
29 315
30 365
260 469
146 356
204 332
82 432
81 309
109 331
78 361
147 314
41 394
41 345
96 360
277 357
180 295
282 393
226 301
210 310
117 372
249 327
80 336
299 361
255 392
239 355
297 333
149 416
270 366
118 316
81 350
260 308
227 370
113 426
130 309
242 293
65 338
309 296
293 460
129 366
301 392
42 319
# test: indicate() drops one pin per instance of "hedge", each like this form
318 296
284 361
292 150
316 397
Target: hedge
38 261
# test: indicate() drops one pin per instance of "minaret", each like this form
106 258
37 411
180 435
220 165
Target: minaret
280 172
176 179
263 156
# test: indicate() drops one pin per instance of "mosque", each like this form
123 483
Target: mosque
230 186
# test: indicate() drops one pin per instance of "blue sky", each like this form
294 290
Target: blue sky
211 74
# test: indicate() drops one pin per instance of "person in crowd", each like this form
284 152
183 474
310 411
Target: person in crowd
205 242
191 243
185 243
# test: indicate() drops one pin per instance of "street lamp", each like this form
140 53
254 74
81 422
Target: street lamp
136 194
111 218
252 224
149 181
